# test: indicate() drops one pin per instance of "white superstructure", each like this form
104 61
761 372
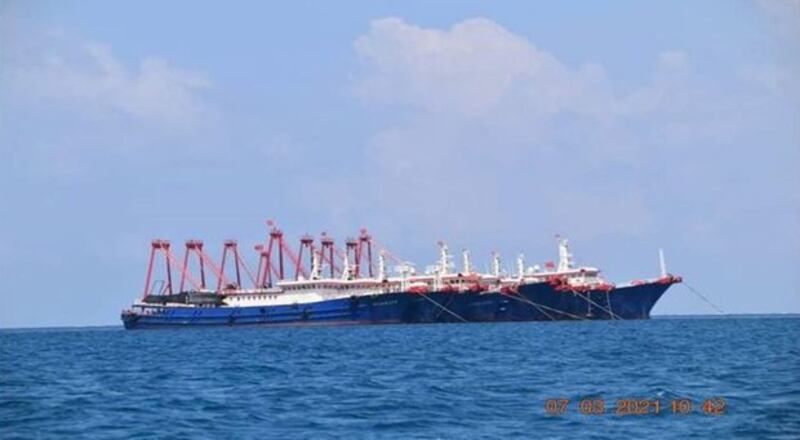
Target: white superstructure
440 277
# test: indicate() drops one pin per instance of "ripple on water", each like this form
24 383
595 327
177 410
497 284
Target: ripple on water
423 381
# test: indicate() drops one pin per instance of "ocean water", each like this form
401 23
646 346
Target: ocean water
407 381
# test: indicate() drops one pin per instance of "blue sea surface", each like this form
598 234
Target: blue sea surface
405 381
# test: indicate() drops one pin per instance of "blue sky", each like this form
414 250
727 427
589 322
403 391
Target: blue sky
625 126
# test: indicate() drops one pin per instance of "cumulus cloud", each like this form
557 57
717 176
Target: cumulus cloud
478 67
86 76
779 76
484 99
488 134
472 68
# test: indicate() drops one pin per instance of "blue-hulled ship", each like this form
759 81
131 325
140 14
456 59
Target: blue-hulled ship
344 288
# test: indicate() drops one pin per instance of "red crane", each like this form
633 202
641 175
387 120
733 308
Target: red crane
203 259
364 241
306 242
276 242
191 246
358 251
231 245
326 252
158 246
163 247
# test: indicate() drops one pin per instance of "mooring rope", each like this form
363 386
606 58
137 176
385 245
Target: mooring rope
611 313
701 296
444 304
443 307
537 306
527 301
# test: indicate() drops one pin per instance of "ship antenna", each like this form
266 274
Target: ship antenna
663 262
444 258
345 267
316 268
521 265
496 264
382 265
466 262
564 257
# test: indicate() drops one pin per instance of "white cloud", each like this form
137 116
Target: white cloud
780 76
786 16
498 137
471 69
479 68
485 99
86 76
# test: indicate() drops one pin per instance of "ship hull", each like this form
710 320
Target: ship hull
531 302
630 302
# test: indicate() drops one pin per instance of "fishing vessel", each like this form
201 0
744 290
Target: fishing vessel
345 287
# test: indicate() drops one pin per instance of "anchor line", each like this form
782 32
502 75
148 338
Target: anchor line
527 301
537 306
703 297
449 301
443 307
586 298
608 301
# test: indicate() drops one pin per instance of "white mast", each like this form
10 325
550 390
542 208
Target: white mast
496 264
405 270
444 259
663 262
564 257
382 265
521 266
346 268
315 266
467 269
443 266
